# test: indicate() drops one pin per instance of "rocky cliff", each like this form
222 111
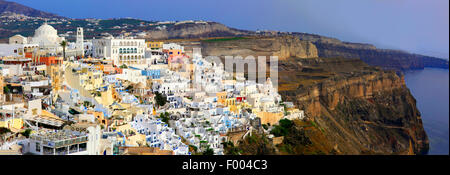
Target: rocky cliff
284 47
388 59
195 30
360 109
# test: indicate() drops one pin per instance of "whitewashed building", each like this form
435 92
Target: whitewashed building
127 51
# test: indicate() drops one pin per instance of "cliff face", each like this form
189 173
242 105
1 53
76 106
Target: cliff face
192 30
388 59
363 110
283 47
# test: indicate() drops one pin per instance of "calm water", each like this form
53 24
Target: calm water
430 87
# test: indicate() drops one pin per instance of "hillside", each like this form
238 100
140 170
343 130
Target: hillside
361 109
385 58
12 7
151 30
351 108
284 47
195 30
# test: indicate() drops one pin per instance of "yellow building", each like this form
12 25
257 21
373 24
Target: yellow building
91 79
8 121
221 97
16 123
154 45
270 117
106 98
100 117
230 101
136 140
56 75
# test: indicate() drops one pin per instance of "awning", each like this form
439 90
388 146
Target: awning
46 120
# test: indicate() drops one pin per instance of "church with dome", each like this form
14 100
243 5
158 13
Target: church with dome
45 36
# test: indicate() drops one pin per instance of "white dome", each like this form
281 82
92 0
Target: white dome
45 30
46 36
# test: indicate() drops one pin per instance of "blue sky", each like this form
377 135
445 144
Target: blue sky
418 26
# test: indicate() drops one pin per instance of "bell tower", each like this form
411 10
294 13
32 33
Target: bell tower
80 41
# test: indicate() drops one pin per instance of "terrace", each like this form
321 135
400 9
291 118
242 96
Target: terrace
61 142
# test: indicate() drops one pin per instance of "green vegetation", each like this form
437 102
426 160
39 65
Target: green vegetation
6 90
256 144
87 103
4 130
208 151
123 66
26 133
161 100
283 128
97 94
230 149
109 23
193 148
165 118
299 138
265 126
63 44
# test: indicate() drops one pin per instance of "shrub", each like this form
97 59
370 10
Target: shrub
26 133
160 99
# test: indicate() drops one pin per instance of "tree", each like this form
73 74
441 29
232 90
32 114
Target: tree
4 130
6 90
283 128
86 104
26 133
165 118
286 123
208 151
63 44
230 149
123 66
160 99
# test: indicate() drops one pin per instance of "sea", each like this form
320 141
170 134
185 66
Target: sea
430 87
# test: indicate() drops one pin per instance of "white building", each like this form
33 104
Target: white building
80 40
17 50
133 75
173 46
47 38
18 39
127 51
65 142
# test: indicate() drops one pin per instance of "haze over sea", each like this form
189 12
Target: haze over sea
430 87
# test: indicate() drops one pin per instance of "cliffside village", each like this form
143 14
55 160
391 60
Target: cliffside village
122 95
